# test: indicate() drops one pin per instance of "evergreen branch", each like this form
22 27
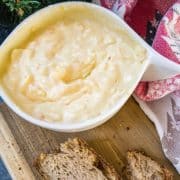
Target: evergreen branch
22 7
13 11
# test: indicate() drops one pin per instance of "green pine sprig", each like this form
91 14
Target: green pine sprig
14 11
22 8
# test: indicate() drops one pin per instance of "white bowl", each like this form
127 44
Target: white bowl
153 72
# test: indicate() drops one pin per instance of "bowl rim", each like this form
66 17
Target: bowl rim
88 123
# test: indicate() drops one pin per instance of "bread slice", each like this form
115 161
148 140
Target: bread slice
141 167
75 160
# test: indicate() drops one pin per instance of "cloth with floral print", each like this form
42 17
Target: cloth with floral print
160 100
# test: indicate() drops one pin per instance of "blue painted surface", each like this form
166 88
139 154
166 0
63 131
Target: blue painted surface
1 100
4 175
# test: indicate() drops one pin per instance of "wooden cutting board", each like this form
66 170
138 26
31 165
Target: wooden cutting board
21 142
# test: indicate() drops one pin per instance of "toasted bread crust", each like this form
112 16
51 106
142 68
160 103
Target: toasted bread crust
167 173
78 145
163 172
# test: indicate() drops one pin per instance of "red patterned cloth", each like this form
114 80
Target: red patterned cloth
166 42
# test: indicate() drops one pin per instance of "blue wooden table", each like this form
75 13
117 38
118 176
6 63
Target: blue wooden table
4 175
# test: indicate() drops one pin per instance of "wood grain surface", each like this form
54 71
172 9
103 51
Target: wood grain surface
12 155
128 129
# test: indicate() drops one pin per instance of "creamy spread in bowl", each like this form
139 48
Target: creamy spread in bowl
74 69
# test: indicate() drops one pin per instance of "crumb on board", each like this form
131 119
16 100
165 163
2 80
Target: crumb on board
127 128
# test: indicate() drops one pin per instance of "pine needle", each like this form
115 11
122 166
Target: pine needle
22 7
